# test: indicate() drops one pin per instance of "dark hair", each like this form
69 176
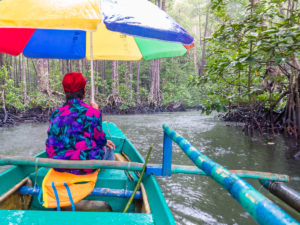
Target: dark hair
77 94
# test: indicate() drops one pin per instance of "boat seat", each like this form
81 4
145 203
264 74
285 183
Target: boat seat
34 217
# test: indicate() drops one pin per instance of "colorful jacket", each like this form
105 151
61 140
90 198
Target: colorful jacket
75 133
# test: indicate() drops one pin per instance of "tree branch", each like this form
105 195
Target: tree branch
278 100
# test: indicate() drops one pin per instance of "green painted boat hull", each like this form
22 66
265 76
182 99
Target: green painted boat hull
108 178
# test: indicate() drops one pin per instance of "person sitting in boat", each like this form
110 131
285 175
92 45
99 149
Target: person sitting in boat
75 129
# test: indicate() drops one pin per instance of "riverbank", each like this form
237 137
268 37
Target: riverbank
264 120
260 118
15 117
39 115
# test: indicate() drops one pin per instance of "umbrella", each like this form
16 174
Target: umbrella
134 17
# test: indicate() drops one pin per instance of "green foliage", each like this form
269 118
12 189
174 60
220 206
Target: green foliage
101 84
243 49
143 94
127 97
174 82
13 95
56 79
40 100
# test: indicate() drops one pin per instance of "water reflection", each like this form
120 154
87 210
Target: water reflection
192 199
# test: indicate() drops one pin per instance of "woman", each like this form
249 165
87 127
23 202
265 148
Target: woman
75 129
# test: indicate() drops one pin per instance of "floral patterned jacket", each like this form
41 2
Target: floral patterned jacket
75 133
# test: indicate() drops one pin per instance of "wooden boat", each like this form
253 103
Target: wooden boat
20 186
26 209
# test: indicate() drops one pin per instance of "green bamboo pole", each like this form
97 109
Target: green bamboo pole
139 181
75 164
132 166
240 173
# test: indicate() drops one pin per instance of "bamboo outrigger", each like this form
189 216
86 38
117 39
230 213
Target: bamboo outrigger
20 186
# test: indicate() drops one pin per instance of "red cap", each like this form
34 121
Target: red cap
73 82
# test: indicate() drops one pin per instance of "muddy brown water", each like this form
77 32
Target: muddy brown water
192 199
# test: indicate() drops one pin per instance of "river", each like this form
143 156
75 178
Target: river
192 199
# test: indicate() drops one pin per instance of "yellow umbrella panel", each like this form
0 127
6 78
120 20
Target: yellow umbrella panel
109 45
57 14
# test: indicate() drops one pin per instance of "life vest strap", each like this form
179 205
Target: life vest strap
70 196
56 196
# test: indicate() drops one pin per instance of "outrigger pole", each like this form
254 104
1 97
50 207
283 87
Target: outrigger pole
284 192
155 169
260 208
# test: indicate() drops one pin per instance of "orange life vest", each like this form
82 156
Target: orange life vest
64 189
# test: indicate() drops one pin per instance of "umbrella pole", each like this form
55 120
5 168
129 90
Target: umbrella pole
92 69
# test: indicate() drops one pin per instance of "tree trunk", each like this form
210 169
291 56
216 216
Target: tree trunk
62 66
155 98
68 65
24 80
15 71
115 77
251 103
1 60
3 92
196 68
103 70
4 106
296 71
43 76
138 100
78 65
53 66
126 74
87 65
163 5
71 65
96 77
200 30
11 62
28 74
128 78
82 65
203 61
34 67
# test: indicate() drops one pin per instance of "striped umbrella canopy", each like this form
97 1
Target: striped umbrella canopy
58 29
133 17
